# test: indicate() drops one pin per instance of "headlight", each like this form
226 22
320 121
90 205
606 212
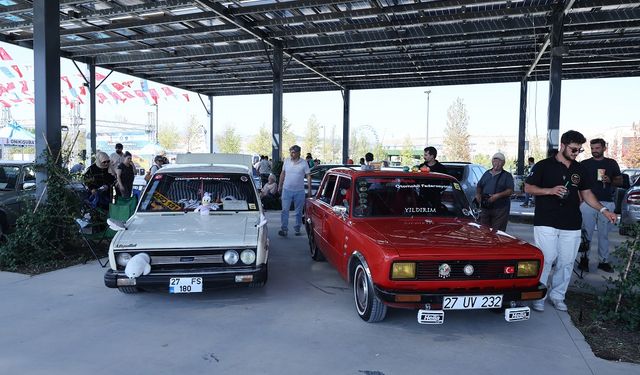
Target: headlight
248 256
123 258
231 257
403 270
528 268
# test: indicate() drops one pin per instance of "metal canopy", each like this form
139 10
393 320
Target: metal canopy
225 48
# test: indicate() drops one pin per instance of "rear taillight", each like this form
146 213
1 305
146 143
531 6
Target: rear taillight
633 198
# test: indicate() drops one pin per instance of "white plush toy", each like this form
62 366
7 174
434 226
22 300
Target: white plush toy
206 205
138 265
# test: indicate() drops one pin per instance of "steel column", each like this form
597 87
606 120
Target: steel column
277 67
345 125
555 79
211 124
92 111
522 127
46 59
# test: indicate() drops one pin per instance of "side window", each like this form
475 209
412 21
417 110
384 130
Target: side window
327 189
342 194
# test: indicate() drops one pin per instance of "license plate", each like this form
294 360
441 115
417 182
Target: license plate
472 302
185 285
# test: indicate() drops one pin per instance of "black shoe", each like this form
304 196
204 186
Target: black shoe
606 267
583 265
282 233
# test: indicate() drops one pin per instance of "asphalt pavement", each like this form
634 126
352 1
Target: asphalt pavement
302 322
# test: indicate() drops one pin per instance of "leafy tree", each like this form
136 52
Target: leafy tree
261 143
631 153
456 135
169 136
229 141
194 135
311 142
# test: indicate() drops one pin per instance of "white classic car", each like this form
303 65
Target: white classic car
198 226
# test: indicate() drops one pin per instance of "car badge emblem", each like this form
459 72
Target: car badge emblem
468 270
444 270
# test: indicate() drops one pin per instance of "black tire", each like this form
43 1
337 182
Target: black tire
314 251
368 305
129 289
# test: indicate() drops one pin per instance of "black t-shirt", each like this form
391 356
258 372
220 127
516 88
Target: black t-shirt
437 167
602 191
551 211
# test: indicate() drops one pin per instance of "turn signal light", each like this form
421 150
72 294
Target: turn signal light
528 268
403 270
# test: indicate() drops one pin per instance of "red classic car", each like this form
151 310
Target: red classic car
410 240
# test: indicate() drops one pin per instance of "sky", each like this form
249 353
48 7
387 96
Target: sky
587 106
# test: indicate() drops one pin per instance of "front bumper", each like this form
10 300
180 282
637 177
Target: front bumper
211 278
434 298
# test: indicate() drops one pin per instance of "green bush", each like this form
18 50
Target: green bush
46 235
621 300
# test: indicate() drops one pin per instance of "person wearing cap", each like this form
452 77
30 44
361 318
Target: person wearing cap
291 187
430 161
494 193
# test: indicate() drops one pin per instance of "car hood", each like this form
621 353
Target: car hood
188 230
450 237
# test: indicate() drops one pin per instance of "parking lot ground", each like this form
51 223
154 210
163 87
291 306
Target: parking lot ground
302 322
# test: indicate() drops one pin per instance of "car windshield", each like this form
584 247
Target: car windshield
8 176
184 192
409 196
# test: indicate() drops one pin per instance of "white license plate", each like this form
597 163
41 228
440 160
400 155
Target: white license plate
185 285
472 302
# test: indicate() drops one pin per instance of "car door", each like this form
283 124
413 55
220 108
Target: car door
336 223
321 210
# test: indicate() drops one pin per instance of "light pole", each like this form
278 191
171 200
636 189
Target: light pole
428 92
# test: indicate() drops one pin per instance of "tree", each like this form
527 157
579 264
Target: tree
631 153
229 141
312 136
194 135
168 136
261 143
456 135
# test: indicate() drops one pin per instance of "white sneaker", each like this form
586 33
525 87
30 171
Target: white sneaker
538 305
559 304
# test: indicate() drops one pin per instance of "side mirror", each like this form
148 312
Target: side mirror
340 211
28 185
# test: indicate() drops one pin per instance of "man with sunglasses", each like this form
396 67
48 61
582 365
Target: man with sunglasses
558 183
606 175
291 186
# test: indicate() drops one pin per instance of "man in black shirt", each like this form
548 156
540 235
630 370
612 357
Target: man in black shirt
558 183
606 175
430 161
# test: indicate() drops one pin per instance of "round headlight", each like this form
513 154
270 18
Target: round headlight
123 258
231 257
248 256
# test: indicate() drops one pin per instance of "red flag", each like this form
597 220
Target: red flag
5 104
4 56
66 79
83 90
167 91
101 97
25 88
127 94
17 69
117 86
186 96
154 95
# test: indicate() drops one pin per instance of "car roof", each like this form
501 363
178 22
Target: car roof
204 168
388 172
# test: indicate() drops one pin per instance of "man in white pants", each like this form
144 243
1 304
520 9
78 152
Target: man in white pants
558 183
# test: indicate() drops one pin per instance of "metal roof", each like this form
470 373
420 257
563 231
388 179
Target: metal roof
225 47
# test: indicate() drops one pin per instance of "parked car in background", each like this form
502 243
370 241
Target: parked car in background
467 174
182 240
410 240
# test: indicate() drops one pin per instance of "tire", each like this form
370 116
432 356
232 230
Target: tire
368 305
314 251
129 289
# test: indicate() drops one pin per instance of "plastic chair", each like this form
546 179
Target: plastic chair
93 234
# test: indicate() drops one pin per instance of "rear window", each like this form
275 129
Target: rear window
408 196
184 192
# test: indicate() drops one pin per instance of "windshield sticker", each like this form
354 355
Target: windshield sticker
233 205
166 202
252 206
424 186
413 210
456 186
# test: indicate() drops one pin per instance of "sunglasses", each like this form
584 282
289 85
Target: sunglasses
575 150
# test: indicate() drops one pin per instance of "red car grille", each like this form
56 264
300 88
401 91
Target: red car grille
482 270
